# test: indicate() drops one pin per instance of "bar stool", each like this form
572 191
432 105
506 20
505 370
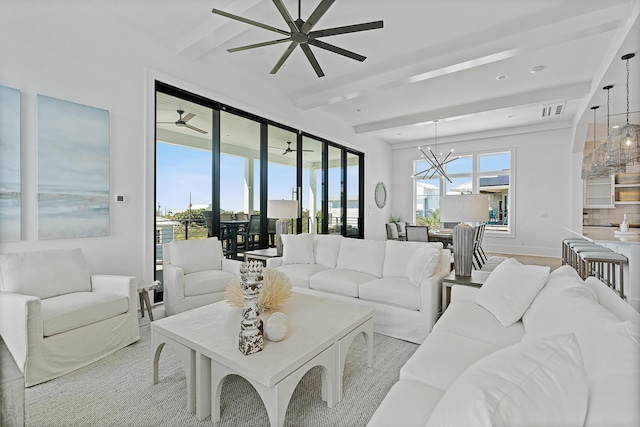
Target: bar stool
573 258
603 266
578 250
565 247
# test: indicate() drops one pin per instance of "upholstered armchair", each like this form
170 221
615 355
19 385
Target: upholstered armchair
55 317
195 273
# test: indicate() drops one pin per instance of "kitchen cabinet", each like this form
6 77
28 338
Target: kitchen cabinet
599 193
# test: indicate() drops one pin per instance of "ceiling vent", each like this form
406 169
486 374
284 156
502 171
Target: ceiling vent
552 110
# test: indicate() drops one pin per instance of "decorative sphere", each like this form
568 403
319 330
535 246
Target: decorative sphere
275 328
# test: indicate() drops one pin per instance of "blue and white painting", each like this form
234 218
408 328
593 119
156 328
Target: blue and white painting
9 164
73 170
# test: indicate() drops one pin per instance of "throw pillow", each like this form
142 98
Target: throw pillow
423 263
196 255
297 249
535 383
510 289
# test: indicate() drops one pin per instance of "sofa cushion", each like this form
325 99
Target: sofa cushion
536 383
196 255
510 289
560 279
339 281
45 274
75 310
423 263
365 256
443 357
206 282
407 404
611 300
327 247
468 319
613 389
397 291
299 274
575 311
397 256
297 249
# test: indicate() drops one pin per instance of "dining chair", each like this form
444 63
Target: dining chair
417 233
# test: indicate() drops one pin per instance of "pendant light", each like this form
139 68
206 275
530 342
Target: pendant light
436 162
599 169
622 146
587 160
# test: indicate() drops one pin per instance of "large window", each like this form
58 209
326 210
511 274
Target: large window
486 173
217 166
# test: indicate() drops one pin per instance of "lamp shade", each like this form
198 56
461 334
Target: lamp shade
464 208
282 208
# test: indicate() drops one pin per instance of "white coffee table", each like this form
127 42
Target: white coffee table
206 339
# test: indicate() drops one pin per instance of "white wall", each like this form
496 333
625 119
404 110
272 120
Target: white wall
82 52
541 189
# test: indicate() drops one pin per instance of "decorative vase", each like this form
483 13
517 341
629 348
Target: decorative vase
463 249
251 340
275 328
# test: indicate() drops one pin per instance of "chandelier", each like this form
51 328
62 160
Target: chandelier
587 160
599 169
436 162
622 145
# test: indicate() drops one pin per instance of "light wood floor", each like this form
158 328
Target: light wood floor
533 260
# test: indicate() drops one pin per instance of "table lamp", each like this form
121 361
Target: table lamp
281 209
462 209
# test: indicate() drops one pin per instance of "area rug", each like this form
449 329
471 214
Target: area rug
492 263
118 391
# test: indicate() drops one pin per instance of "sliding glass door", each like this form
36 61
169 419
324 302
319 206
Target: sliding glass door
217 166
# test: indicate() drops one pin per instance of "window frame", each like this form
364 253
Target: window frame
475 179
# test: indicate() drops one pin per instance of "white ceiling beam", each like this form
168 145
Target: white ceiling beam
560 93
456 56
212 33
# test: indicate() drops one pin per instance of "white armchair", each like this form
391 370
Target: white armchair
195 273
55 317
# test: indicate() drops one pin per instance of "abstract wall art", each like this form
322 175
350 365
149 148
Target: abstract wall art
9 164
73 169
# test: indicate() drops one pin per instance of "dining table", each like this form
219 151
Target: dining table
444 235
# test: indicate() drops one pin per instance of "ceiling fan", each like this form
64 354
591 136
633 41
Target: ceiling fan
291 150
300 34
182 121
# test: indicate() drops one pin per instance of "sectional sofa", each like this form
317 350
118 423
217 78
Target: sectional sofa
512 354
401 281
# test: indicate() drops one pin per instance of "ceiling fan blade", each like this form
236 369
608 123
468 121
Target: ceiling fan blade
312 59
284 57
195 128
316 15
188 117
166 123
287 17
252 46
336 49
347 29
285 152
249 21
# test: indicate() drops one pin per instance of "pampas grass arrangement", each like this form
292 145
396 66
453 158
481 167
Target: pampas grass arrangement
276 290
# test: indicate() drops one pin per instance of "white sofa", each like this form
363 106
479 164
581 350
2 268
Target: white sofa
573 358
402 281
55 317
195 273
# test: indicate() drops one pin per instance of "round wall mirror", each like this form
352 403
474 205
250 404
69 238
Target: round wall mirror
381 195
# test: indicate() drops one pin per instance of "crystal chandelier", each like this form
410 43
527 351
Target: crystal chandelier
587 160
598 162
622 145
436 162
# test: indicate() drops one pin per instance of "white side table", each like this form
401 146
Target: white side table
143 293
